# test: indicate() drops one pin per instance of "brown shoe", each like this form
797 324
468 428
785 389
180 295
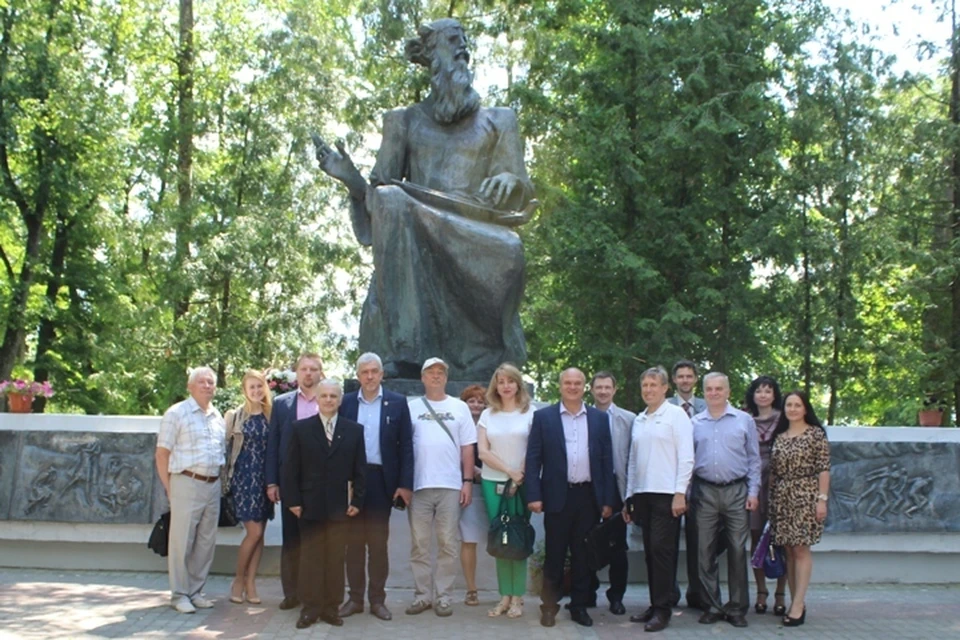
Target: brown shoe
658 623
380 610
711 617
349 608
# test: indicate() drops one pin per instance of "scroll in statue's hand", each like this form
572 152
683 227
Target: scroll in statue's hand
498 189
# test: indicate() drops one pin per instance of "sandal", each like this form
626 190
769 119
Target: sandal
516 607
761 607
779 609
472 599
501 607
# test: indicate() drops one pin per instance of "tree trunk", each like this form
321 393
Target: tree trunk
47 333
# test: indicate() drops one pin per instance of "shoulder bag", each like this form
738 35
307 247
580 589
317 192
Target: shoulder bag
510 537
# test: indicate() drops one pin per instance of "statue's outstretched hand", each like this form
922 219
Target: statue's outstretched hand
498 189
338 164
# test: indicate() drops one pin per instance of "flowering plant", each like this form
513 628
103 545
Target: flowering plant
20 387
281 381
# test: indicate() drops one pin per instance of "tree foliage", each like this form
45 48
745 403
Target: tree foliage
745 184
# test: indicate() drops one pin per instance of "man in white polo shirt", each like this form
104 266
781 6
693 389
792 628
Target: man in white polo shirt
190 452
658 472
443 439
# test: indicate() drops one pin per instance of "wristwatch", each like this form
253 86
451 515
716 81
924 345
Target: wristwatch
470 480
823 497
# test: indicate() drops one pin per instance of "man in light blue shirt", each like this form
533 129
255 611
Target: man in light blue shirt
726 482
388 441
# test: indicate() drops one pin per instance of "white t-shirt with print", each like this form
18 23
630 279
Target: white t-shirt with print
507 433
436 461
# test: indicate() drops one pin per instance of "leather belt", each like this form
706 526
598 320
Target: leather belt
720 484
571 485
197 476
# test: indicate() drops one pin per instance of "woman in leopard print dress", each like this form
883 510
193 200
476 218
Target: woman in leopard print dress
800 484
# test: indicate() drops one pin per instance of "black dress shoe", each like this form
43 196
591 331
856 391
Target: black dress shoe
737 621
581 617
290 602
710 617
305 620
548 617
646 616
349 608
332 619
380 610
658 623
617 608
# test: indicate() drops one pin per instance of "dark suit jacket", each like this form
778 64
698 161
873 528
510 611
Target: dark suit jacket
316 471
546 468
282 417
396 438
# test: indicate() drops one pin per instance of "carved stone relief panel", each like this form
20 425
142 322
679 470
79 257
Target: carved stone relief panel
85 477
891 487
9 449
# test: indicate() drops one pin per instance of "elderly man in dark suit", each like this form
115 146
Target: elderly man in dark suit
569 478
287 409
388 437
325 479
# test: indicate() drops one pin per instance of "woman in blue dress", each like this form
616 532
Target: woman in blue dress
246 479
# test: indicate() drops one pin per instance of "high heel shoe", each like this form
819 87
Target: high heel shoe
795 622
761 607
779 609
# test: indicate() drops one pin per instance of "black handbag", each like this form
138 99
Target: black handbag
160 536
603 540
228 511
510 537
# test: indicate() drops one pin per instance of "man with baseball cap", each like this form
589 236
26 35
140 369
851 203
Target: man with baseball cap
443 439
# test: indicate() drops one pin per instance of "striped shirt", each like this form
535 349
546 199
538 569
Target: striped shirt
195 438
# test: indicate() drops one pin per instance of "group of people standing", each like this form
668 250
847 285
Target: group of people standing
338 464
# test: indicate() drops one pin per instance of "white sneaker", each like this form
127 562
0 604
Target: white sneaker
200 602
183 605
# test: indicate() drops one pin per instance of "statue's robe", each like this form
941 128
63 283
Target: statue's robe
443 285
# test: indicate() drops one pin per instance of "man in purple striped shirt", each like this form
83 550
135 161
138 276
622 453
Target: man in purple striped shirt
726 482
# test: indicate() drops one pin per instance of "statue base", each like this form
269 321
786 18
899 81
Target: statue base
413 388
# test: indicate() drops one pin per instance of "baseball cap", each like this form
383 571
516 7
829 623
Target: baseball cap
429 362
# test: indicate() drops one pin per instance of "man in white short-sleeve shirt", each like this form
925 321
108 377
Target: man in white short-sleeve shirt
443 439
189 454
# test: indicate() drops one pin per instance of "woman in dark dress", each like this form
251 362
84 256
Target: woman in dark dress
763 402
246 478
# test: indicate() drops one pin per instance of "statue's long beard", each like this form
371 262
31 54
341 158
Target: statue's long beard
454 97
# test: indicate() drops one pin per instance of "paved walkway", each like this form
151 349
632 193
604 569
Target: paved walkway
51 604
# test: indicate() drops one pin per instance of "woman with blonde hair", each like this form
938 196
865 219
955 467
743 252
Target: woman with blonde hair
502 434
245 471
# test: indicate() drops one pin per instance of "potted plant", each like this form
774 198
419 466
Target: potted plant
931 415
535 570
20 393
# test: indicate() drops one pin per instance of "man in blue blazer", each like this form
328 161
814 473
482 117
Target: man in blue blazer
287 409
569 478
388 437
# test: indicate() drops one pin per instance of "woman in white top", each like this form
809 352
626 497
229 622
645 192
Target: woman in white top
502 441
473 518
